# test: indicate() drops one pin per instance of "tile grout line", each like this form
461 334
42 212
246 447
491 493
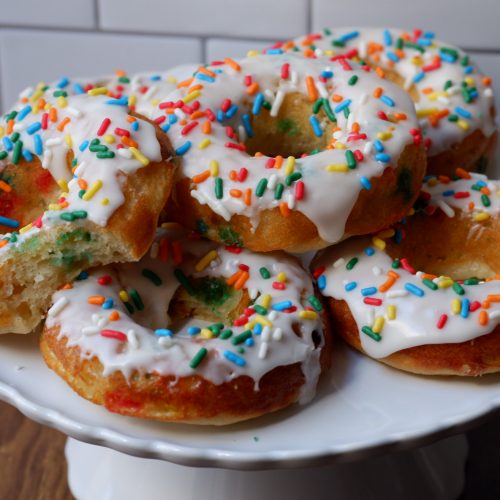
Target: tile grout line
96 15
309 15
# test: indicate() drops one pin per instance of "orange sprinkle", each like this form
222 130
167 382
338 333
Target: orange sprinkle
206 128
129 142
41 103
387 284
3 243
232 63
53 115
114 316
177 251
197 114
252 88
337 98
380 72
120 72
355 127
5 187
63 123
241 280
287 45
400 116
234 277
185 83
96 300
258 154
206 71
278 162
400 53
248 197
183 122
67 286
131 119
393 274
285 211
426 276
195 87
10 126
235 193
311 89
197 179
444 179
485 190
487 80
483 318
427 90
82 184
233 175
462 173
493 297
471 205
309 53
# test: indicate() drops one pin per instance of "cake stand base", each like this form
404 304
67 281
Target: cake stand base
431 472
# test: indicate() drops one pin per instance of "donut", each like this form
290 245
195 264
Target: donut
283 152
82 182
453 99
194 332
424 297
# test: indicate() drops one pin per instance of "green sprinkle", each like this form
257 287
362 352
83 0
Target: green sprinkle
399 43
105 154
317 105
338 43
11 116
240 350
15 136
124 79
79 214
315 303
475 187
351 263
226 334
466 95
352 80
60 93
465 61
13 237
218 188
241 337
81 193
368 331
327 31
414 46
183 280
152 276
350 159
347 112
429 284
96 148
451 52
129 307
278 192
486 200
3 155
328 110
471 281
447 84
264 272
198 357
396 264
292 178
267 105
458 289
16 154
453 118
260 310
261 187
136 299
67 216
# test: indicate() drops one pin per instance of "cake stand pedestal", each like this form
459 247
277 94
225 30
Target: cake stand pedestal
433 472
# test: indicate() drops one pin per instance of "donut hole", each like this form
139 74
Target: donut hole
455 247
289 133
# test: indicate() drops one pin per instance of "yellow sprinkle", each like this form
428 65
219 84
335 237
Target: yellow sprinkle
417 61
206 333
498 193
35 109
250 325
171 79
281 277
123 295
470 81
289 165
391 312
204 261
337 167
432 182
378 242
386 233
69 140
90 193
262 320
329 53
340 145
463 124
155 102
105 201
481 216
308 314
139 156
110 139
98 91
411 211
54 206
455 306
2 131
132 100
204 143
36 95
266 301
25 228
445 283
191 97
62 102
378 324
421 113
253 53
383 136
214 168
63 185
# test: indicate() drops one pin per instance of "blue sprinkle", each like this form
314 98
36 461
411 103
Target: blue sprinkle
165 127
257 329
108 304
318 132
135 126
473 93
418 77
349 36
350 286
34 127
220 115
414 289
205 78
274 52
463 112
164 332
27 155
464 310
78 89
25 111
392 56
82 276
378 145
257 103
447 57
5 221
63 82
231 111
398 237
429 34
194 330
322 282
38 144
123 101
7 143
450 192
387 37
181 150
481 184
383 157
83 146
424 41
344 104
281 306
365 182
234 358
172 119
468 70
218 71
247 124
155 78
369 251
371 290
326 74
387 100
249 342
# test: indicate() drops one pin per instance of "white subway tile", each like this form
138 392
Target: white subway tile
468 24
218 48
59 13
27 57
259 18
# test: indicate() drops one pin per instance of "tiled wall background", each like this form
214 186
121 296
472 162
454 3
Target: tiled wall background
45 39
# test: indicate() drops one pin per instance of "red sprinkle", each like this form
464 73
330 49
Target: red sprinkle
277 285
234 145
318 272
290 309
189 127
104 280
104 126
372 301
358 155
442 321
233 249
461 194
249 311
248 80
407 266
270 163
242 174
45 121
244 267
122 132
243 320
114 334
299 190
474 306
285 71
226 104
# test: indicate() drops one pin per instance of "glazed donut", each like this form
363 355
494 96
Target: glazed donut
454 100
283 152
82 183
192 333
441 321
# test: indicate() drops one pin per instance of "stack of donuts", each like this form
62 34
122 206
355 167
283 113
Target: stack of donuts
156 229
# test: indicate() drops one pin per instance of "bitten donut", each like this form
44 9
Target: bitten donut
454 100
192 333
282 152
82 183
428 299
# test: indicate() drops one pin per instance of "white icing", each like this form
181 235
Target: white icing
329 196
277 344
447 133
